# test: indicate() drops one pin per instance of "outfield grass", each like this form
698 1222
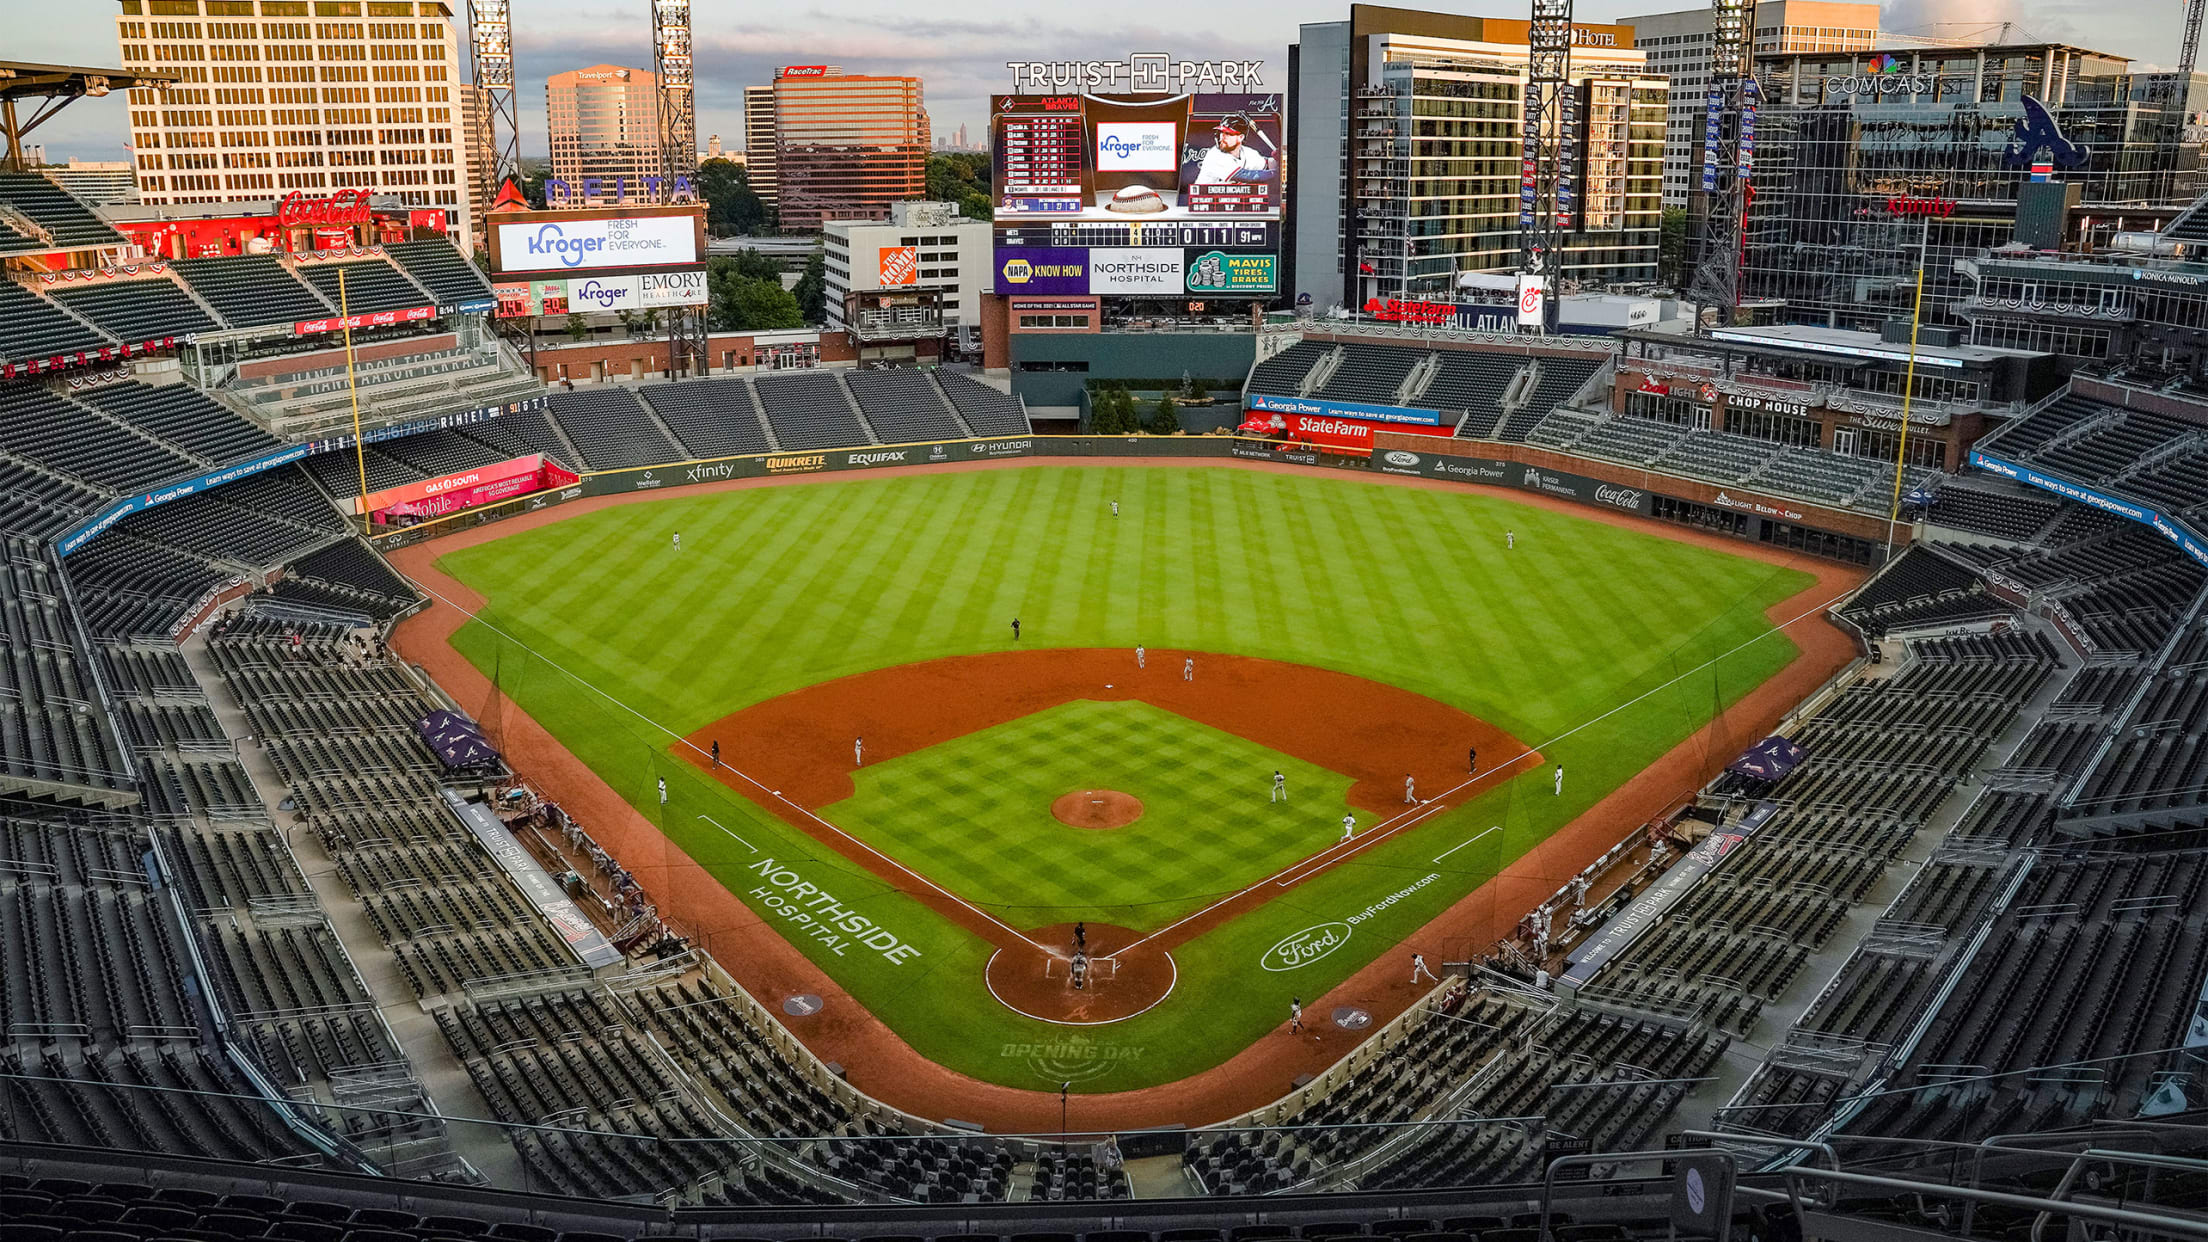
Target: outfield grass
780 588
978 809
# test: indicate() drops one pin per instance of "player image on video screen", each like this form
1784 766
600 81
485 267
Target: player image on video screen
1238 171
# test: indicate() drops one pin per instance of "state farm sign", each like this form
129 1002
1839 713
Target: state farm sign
343 207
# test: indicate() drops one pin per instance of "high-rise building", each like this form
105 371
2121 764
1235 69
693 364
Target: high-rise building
1864 161
1678 46
712 146
280 95
759 142
604 124
1408 136
846 145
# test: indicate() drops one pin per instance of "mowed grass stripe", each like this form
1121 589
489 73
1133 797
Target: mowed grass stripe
1412 587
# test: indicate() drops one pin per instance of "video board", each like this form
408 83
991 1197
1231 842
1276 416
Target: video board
1138 195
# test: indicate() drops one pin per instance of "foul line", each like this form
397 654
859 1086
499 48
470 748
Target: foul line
1469 840
724 828
1389 827
760 785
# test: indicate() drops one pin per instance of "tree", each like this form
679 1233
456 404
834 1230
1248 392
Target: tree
1671 251
812 290
765 306
1198 390
732 207
628 320
1166 419
1112 411
651 320
578 328
952 175
977 206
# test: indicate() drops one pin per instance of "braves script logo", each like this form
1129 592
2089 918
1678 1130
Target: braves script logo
1293 952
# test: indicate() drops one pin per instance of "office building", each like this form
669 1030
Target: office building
480 145
898 286
1408 129
604 124
846 145
313 98
1678 46
759 142
1861 156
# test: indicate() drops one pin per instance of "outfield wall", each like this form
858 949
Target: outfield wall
1748 516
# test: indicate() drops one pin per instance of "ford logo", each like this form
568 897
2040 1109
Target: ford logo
1397 457
1296 951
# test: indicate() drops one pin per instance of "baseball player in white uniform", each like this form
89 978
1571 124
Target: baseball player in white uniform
1349 826
1410 791
1560 780
1139 655
663 791
678 541
1188 669
858 752
1510 539
1418 969
1230 160
1115 508
1295 1015
1280 787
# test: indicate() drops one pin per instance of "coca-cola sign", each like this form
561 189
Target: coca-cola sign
1622 497
343 207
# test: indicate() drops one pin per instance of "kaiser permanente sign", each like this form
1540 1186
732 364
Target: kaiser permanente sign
2192 545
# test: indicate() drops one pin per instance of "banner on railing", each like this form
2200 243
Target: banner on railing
2189 543
87 531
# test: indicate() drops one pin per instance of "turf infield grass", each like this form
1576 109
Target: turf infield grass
780 588
978 807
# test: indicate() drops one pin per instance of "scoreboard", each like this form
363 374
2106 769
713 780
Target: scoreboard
1174 195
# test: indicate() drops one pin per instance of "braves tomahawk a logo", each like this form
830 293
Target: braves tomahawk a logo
2035 130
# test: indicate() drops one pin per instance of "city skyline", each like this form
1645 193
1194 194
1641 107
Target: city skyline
962 59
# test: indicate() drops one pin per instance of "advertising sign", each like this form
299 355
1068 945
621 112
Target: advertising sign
900 265
672 288
604 293
1342 409
1532 302
1137 146
466 488
378 319
1042 269
1218 272
1151 271
595 242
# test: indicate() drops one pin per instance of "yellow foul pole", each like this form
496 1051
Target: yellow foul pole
1908 386
352 388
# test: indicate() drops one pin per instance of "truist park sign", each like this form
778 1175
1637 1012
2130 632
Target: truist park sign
1141 72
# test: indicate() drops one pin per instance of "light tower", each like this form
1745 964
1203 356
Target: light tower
1545 175
491 66
1728 162
688 352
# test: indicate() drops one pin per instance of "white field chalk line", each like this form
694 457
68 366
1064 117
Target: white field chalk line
1454 848
775 794
739 840
1389 827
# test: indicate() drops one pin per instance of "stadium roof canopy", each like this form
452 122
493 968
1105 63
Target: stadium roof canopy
59 86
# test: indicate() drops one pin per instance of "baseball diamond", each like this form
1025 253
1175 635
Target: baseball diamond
1342 631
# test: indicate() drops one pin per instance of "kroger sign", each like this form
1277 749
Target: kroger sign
589 245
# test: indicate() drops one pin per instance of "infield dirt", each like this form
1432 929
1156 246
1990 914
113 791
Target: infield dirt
880 1063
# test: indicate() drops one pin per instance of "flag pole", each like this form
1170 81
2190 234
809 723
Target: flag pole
1909 383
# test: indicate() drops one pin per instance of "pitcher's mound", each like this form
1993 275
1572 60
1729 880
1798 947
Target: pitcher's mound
1122 975
1097 808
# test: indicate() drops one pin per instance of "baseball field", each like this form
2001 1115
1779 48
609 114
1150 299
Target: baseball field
1346 633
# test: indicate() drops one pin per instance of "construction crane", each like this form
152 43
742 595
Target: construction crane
1545 172
2189 51
1728 163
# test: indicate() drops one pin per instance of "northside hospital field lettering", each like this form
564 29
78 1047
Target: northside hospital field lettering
815 911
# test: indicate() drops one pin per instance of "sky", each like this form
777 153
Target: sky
960 49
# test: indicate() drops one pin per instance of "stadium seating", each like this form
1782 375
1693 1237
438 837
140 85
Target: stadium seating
58 434
809 411
988 411
1475 382
133 311
903 405
1921 588
2002 515
371 285
612 430
58 214
183 417
712 417
1371 373
1283 374
441 270
38 329
252 291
